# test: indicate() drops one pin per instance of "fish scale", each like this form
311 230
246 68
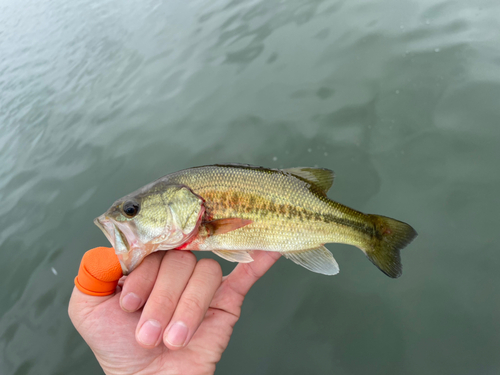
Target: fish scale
271 229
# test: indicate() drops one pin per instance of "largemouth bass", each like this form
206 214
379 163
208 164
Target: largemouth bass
234 209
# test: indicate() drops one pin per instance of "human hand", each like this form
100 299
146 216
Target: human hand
134 331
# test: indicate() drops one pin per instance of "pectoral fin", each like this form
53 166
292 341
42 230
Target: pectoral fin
221 226
319 260
239 256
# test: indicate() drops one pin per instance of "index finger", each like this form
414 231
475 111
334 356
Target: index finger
139 284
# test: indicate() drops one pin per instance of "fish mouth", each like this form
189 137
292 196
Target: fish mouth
128 252
103 224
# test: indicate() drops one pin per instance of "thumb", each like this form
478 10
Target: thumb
96 282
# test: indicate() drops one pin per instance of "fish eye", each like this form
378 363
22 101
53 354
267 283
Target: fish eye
130 208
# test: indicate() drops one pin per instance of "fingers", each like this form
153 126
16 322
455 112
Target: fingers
177 297
138 285
193 304
173 276
176 293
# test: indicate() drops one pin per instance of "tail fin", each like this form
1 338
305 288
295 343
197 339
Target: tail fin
390 237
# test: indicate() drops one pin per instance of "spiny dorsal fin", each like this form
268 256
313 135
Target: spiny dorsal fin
320 177
319 260
239 256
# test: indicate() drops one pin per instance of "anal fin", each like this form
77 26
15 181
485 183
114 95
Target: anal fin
240 256
319 260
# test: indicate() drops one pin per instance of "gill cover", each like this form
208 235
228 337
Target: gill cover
185 210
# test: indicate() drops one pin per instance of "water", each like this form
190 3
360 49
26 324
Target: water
400 98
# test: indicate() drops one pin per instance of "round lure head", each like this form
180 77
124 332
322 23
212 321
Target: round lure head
160 216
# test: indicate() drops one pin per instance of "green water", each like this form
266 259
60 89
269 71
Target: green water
400 98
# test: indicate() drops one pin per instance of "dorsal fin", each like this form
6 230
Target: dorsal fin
320 177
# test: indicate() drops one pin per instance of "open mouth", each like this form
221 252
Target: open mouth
114 235
106 229
119 242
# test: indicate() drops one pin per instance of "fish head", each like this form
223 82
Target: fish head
160 216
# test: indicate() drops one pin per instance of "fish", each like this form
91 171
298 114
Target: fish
234 209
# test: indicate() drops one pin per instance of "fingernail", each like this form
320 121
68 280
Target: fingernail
131 302
149 332
177 334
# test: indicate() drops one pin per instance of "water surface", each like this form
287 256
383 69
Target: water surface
399 98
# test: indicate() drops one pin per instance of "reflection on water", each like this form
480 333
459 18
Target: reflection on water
399 98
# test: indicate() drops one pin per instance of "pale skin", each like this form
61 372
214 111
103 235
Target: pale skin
133 331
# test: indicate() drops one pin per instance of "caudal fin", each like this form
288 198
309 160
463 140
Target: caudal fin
390 237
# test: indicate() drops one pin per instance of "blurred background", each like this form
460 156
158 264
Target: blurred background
400 98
